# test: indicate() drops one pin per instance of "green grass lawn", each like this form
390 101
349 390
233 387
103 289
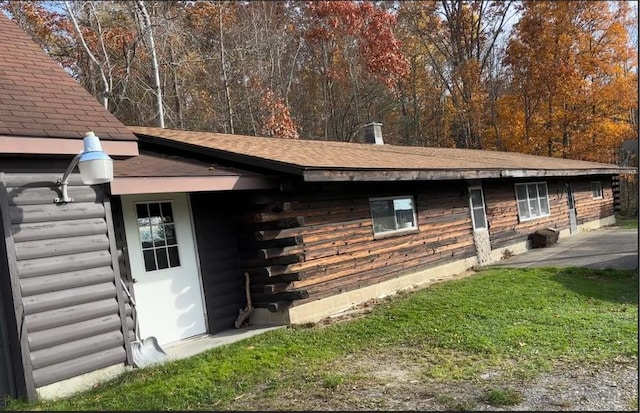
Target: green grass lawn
523 320
627 222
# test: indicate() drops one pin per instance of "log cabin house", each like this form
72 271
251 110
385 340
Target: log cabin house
316 226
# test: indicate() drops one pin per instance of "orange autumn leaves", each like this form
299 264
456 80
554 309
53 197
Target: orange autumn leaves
574 85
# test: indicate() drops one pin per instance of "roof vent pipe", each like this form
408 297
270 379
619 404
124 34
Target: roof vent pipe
373 133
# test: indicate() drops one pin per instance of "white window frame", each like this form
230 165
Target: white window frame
397 229
529 200
596 191
156 248
472 207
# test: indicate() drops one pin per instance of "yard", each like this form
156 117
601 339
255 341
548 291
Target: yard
529 339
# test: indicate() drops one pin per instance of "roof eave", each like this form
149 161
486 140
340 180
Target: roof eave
344 175
276 166
125 185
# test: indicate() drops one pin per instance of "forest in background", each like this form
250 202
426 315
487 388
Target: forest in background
553 78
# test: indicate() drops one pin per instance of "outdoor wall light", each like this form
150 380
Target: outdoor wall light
96 167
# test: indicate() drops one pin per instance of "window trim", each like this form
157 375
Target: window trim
154 247
397 231
484 210
526 185
599 186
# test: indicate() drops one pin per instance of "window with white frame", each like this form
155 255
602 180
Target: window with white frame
533 201
392 214
476 201
596 189
156 228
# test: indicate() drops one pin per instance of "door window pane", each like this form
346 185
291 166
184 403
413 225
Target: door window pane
156 229
174 259
167 212
163 261
149 260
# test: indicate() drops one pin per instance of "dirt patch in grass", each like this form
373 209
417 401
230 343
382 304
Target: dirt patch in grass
384 381
406 378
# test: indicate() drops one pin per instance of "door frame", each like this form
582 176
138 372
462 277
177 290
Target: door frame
481 236
571 208
126 201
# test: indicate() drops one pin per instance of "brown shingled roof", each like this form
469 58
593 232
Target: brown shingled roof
150 164
322 160
39 99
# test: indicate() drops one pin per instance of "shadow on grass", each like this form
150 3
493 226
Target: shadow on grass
616 286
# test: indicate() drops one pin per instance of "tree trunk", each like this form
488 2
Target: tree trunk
105 83
154 61
225 78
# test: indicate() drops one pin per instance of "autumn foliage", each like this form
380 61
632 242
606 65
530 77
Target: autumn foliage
573 84
277 122
555 78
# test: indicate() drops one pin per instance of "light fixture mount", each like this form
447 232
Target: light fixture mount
96 167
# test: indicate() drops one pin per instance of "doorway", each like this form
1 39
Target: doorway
164 266
571 204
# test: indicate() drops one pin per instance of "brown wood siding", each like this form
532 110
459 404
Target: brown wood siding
589 208
65 271
222 279
326 241
505 227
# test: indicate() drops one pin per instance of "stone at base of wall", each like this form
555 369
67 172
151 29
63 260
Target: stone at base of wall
317 310
598 223
80 383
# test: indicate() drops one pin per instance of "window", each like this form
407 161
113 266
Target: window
476 201
157 232
390 215
533 201
596 190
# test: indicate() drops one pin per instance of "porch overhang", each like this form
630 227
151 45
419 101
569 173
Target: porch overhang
158 185
157 173
25 145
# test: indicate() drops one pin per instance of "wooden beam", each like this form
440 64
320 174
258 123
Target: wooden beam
276 287
279 306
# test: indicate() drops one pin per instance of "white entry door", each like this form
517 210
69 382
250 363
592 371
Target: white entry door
162 256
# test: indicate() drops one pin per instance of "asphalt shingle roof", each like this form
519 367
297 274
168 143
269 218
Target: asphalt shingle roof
309 157
38 98
150 164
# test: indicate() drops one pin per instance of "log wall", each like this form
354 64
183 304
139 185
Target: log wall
223 284
308 244
589 208
64 274
505 227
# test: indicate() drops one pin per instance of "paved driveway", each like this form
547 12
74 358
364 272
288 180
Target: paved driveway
609 247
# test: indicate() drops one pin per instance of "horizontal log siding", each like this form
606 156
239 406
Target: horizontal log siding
590 209
215 233
505 227
64 266
123 265
334 249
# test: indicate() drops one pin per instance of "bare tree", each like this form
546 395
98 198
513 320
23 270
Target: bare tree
148 33
105 83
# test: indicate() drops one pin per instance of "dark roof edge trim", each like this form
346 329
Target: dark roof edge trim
317 175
